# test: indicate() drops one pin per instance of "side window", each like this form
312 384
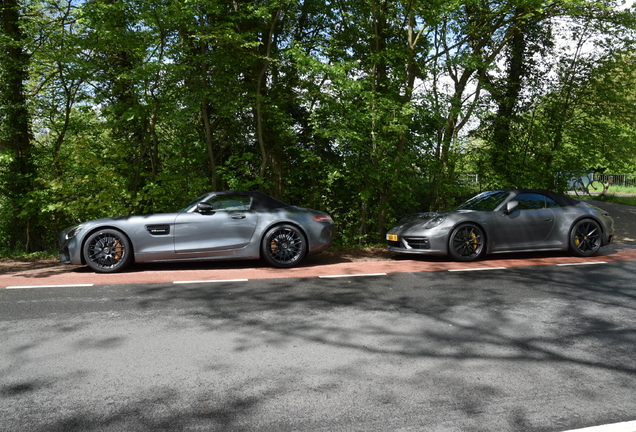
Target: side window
529 201
549 202
230 202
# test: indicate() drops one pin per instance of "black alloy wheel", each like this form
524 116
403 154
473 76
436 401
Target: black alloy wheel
107 251
585 238
283 246
466 242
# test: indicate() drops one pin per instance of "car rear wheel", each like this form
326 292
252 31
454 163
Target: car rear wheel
107 251
283 246
466 242
585 237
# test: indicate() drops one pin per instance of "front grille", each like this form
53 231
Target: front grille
418 242
395 244
65 256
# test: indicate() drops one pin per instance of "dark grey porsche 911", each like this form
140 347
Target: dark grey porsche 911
512 220
217 225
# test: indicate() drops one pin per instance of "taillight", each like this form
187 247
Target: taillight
322 218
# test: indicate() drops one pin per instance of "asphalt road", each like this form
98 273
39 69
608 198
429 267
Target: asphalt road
524 348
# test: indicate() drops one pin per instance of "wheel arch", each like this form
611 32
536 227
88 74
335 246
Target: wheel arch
279 223
583 217
481 226
102 227
601 236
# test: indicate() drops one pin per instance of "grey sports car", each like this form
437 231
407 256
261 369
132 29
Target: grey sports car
512 220
217 225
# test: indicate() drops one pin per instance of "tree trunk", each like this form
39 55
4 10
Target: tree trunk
18 179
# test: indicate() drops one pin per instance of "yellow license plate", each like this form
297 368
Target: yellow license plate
392 237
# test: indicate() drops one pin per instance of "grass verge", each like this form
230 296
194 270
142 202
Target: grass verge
631 200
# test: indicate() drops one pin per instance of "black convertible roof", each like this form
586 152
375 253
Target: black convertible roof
259 201
562 200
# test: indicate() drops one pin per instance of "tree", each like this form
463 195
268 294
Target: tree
518 153
366 109
17 170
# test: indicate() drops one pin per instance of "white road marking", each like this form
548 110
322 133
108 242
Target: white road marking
352 275
48 286
629 426
210 281
582 263
478 269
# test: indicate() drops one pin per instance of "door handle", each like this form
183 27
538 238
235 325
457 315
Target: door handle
238 216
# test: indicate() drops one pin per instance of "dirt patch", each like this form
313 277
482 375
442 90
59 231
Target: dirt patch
35 264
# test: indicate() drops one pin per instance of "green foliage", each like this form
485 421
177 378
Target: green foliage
366 110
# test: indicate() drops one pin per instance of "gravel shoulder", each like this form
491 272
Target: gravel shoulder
624 238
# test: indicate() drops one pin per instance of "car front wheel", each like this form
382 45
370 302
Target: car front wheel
585 238
107 251
466 242
283 246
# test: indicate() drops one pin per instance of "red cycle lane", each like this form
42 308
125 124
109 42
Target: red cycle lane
170 273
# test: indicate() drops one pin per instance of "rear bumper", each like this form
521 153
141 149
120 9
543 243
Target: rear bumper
324 241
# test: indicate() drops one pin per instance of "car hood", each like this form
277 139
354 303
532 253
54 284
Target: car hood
589 205
419 218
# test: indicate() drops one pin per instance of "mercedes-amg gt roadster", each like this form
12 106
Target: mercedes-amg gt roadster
512 220
217 225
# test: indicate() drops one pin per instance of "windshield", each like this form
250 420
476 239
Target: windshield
484 201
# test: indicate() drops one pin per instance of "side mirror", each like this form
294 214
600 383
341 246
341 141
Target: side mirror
205 208
511 206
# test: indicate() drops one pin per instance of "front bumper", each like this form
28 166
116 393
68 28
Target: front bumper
70 250
65 256
417 244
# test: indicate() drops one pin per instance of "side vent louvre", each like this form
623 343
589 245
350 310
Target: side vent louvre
158 229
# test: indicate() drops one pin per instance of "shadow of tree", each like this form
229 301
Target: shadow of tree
454 333
567 309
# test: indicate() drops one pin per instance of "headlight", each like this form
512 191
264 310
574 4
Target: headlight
435 222
72 232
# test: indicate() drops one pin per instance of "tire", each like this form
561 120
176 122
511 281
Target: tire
107 251
578 189
596 188
466 242
283 246
585 238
